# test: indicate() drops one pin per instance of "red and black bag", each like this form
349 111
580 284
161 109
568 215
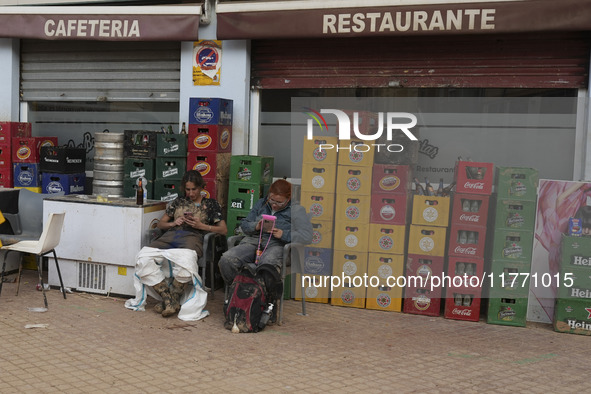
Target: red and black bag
246 303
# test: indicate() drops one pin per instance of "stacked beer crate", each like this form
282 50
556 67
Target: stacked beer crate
169 165
210 144
10 131
317 196
467 240
250 178
139 147
352 234
62 169
512 245
26 159
390 203
426 252
572 312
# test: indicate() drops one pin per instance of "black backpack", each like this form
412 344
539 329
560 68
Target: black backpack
248 298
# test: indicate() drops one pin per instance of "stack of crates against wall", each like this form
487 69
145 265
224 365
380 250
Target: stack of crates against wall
139 148
319 173
250 178
62 169
210 144
10 131
27 173
572 311
389 215
512 245
467 239
426 253
353 235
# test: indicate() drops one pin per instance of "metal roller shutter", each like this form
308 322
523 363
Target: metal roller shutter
507 61
100 71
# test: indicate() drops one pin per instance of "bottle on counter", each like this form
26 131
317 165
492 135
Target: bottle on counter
139 195
184 129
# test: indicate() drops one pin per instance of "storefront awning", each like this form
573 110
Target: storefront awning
332 19
103 23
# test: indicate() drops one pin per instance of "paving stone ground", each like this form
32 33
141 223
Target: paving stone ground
92 344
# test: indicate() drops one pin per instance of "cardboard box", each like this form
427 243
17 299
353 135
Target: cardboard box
352 208
427 240
517 183
171 145
210 164
467 241
422 301
5 156
322 233
507 311
572 316
134 167
471 209
430 210
28 149
321 149
474 177
353 180
242 196
512 245
62 159
214 138
170 167
67 183
320 205
355 152
317 261
140 143
387 178
515 215
211 111
424 266
387 238
348 236
319 178
389 208
257 169
27 175
463 304
316 288
10 130
581 283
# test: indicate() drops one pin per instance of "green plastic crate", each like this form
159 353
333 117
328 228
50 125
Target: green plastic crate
251 169
134 167
517 183
171 145
572 316
515 215
507 311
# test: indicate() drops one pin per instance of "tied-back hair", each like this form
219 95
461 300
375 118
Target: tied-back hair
194 177
281 187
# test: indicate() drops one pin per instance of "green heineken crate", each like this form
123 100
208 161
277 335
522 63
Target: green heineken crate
572 316
252 169
574 282
171 167
243 195
507 311
167 189
134 167
517 183
233 222
509 279
576 252
171 145
129 187
512 245
515 215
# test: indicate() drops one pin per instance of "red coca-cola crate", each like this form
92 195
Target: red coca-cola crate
423 265
214 138
5 156
388 178
389 208
10 130
6 177
28 149
474 177
467 241
463 304
422 300
465 273
471 209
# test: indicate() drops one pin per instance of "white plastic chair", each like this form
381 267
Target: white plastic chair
50 238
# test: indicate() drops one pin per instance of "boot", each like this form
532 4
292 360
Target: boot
177 291
159 307
169 306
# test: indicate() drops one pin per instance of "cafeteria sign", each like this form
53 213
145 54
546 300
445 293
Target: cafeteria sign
207 57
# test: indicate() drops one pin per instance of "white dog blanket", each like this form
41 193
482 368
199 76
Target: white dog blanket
154 265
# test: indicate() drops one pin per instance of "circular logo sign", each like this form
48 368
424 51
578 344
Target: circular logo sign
319 154
349 268
387 212
422 302
430 214
353 184
204 114
352 212
384 271
351 240
316 209
383 300
426 244
54 187
25 178
389 183
311 292
207 58
225 139
386 243
203 167
316 237
23 152
347 296
202 141
355 156
318 182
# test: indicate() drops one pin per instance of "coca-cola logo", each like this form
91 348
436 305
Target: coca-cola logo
461 312
475 185
470 218
465 250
